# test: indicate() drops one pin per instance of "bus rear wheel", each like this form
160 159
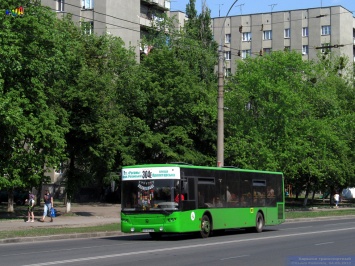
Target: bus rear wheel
259 223
205 226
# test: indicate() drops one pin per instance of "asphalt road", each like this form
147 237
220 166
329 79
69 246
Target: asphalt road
299 243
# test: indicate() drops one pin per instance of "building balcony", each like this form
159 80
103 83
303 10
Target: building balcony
159 4
145 22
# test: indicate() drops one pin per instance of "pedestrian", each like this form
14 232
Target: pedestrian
336 199
48 205
31 204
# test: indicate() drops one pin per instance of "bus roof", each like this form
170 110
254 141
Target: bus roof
182 165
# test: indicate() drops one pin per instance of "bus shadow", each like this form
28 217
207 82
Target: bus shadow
187 236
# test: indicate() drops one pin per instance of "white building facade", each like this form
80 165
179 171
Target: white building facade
127 19
304 30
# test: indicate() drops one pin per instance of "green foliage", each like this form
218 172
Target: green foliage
293 116
179 85
32 135
83 99
92 100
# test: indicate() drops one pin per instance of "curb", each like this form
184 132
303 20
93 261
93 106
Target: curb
329 218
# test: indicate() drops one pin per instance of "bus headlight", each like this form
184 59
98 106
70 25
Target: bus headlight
132 229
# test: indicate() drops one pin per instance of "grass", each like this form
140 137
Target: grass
314 214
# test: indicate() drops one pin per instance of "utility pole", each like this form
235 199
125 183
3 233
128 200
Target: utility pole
272 7
219 9
220 97
241 8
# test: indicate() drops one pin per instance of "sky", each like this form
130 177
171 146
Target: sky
221 7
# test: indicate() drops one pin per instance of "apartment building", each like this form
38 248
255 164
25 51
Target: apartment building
304 30
128 19
179 18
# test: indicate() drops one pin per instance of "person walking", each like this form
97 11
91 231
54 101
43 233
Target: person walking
31 205
48 205
336 199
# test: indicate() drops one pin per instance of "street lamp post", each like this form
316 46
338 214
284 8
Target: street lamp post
220 99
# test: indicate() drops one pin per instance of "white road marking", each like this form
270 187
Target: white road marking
135 253
325 243
230 258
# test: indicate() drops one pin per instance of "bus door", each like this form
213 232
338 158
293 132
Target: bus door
189 190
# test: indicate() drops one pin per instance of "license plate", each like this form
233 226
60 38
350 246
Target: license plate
148 230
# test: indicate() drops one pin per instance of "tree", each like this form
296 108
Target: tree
284 114
32 132
179 83
92 97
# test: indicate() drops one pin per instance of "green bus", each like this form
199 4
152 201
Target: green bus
176 198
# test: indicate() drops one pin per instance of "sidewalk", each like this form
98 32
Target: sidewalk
81 215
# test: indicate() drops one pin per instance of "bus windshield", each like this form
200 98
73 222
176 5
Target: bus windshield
150 195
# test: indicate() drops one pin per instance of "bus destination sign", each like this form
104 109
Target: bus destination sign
153 173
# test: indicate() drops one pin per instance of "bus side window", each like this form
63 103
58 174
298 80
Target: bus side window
201 199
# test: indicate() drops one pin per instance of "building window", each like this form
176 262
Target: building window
87 27
267 35
246 53
88 4
227 55
288 33
304 49
287 48
246 36
325 30
228 72
266 50
228 38
305 32
60 5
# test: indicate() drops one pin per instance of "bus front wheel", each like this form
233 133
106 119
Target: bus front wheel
205 226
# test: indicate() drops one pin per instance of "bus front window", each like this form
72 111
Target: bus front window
149 195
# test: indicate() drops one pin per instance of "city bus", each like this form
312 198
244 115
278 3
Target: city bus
176 198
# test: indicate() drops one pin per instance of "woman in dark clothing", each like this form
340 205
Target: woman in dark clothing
48 205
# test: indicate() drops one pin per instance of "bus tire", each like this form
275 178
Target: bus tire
155 235
259 223
205 226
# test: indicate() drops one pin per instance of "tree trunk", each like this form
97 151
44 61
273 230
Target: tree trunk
39 193
331 195
10 200
313 195
306 196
